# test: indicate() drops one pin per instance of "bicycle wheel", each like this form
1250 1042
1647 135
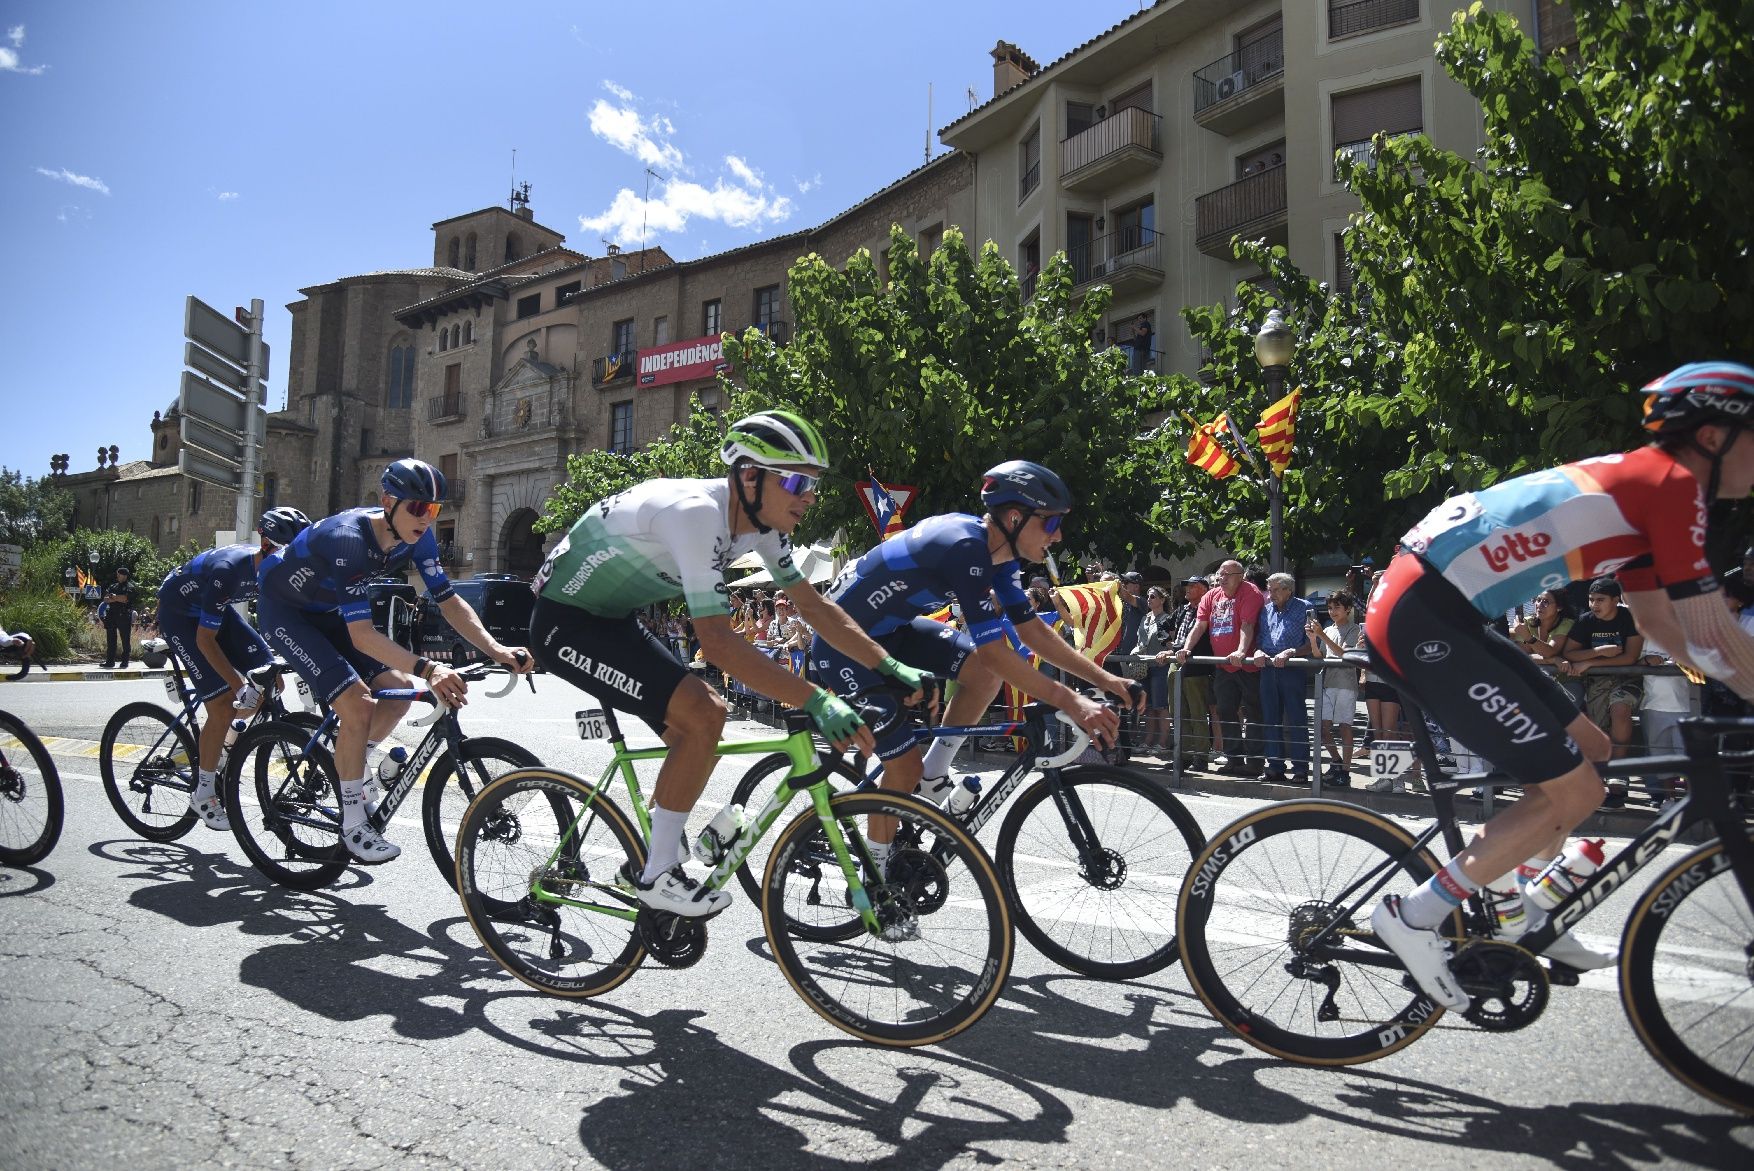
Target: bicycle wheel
1268 882
939 961
1109 912
1685 978
753 791
148 761
506 858
31 806
291 824
453 783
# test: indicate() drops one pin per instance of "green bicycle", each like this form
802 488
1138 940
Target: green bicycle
894 960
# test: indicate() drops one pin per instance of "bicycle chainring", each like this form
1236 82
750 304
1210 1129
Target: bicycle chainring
918 880
670 939
1507 985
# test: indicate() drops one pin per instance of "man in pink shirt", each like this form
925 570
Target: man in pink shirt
1228 614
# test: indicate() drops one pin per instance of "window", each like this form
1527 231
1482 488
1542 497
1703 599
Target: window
456 336
1029 263
1135 227
1350 18
453 380
1343 275
567 292
447 541
1080 239
1267 157
270 494
365 441
469 252
514 247
400 370
447 466
621 337
529 306
767 305
709 318
1260 51
1080 116
1386 109
468 333
1029 163
660 331
444 340
931 240
621 427
1137 98
194 497
455 252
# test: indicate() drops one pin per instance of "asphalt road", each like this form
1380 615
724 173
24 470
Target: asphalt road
165 1006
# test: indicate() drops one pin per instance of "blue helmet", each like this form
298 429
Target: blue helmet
414 479
1019 481
1698 393
282 524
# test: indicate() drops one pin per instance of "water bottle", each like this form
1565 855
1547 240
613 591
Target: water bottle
390 767
935 789
720 834
1566 873
231 738
1508 913
963 796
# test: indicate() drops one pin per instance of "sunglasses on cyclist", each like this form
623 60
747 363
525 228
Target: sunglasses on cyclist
421 509
1052 521
798 483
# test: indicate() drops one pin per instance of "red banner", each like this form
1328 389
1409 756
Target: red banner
700 357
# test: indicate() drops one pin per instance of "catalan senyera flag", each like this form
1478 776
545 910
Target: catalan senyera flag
82 578
1277 427
1093 611
1207 453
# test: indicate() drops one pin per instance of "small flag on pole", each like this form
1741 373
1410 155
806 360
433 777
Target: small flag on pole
1277 427
883 507
1093 611
1207 453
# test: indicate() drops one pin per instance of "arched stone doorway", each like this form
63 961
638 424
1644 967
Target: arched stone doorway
520 545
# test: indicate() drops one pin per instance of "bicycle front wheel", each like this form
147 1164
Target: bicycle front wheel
31 807
284 803
544 893
942 951
755 788
148 761
453 783
1686 979
1092 867
1274 927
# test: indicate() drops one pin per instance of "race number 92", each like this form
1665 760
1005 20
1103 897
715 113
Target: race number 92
1389 759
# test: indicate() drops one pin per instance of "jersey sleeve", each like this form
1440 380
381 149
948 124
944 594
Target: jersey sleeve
1008 586
344 548
968 571
220 586
425 556
776 554
690 529
1671 513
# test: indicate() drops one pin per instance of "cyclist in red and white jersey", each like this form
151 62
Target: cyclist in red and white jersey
1641 516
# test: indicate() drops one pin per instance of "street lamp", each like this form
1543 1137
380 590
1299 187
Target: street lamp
1273 346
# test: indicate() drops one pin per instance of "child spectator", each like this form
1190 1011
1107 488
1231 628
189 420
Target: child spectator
1339 702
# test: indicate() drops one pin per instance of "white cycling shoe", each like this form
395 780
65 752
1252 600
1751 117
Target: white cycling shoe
1568 950
1425 953
679 894
369 846
211 811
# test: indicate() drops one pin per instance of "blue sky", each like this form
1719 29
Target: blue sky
248 149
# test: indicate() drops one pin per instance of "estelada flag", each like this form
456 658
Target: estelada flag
1093 611
1206 452
883 507
1277 427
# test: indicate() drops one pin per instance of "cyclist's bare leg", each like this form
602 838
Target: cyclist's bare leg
693 722
358 713
1538 825
213 729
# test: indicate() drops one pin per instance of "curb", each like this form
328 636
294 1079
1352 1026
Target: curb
86 675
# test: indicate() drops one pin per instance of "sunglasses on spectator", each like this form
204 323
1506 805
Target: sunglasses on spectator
798 483
421 509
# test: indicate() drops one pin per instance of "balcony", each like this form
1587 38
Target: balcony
1127 261
1354 18
446 408
1243 88
456 490
1253 206
1120 147
1028 181
779 332
613 368
1363 153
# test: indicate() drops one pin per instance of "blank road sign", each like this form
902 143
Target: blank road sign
210 438
209 327
209 469
215 368
216 406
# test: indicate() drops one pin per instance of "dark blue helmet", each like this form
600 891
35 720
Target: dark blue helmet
282 524
1018 481
414 479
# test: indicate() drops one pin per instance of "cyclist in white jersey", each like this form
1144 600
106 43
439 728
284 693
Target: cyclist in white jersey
675 538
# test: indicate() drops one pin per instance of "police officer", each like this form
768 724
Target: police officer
119 618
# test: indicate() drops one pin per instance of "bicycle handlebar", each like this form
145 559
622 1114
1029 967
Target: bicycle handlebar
472 674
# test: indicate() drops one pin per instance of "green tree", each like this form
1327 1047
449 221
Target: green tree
944 370
32 510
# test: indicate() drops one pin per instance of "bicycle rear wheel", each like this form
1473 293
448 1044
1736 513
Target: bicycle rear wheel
944 950
754 789
453 783
284 803
1109 910
512 864
1271 882
148 761
1686 980
31 805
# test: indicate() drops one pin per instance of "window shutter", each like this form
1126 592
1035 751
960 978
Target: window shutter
1392 109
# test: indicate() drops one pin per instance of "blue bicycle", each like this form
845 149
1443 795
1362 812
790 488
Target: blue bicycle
1091 857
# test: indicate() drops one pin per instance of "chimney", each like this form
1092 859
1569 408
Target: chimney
1011 66
524 213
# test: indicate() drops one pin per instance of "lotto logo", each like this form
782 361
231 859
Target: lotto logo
1517 547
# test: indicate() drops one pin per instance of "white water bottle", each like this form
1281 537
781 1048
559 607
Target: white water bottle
1565 874
390 767
963 796
231 738
720 834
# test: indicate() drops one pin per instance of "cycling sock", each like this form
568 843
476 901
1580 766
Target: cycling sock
939 756
353 813
1530 870
1431 903
204 785
668 826
880 853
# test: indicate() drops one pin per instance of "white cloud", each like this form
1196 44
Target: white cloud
741 169
66 176
9 60
621 126
620 91
806 186
227 196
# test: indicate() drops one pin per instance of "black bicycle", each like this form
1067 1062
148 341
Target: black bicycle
1275 937
31 804
1090 856
283 793
148 755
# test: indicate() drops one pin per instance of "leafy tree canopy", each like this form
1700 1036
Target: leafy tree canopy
32 510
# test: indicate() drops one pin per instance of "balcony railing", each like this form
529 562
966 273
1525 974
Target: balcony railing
456 489
1350 18
1028 181
446 408
1236 72
779 331
1131 127
1105 256
613 367
1254 199
1362 153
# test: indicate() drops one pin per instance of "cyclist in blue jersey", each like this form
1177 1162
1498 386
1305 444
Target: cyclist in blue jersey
968 561
215 645
315 613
